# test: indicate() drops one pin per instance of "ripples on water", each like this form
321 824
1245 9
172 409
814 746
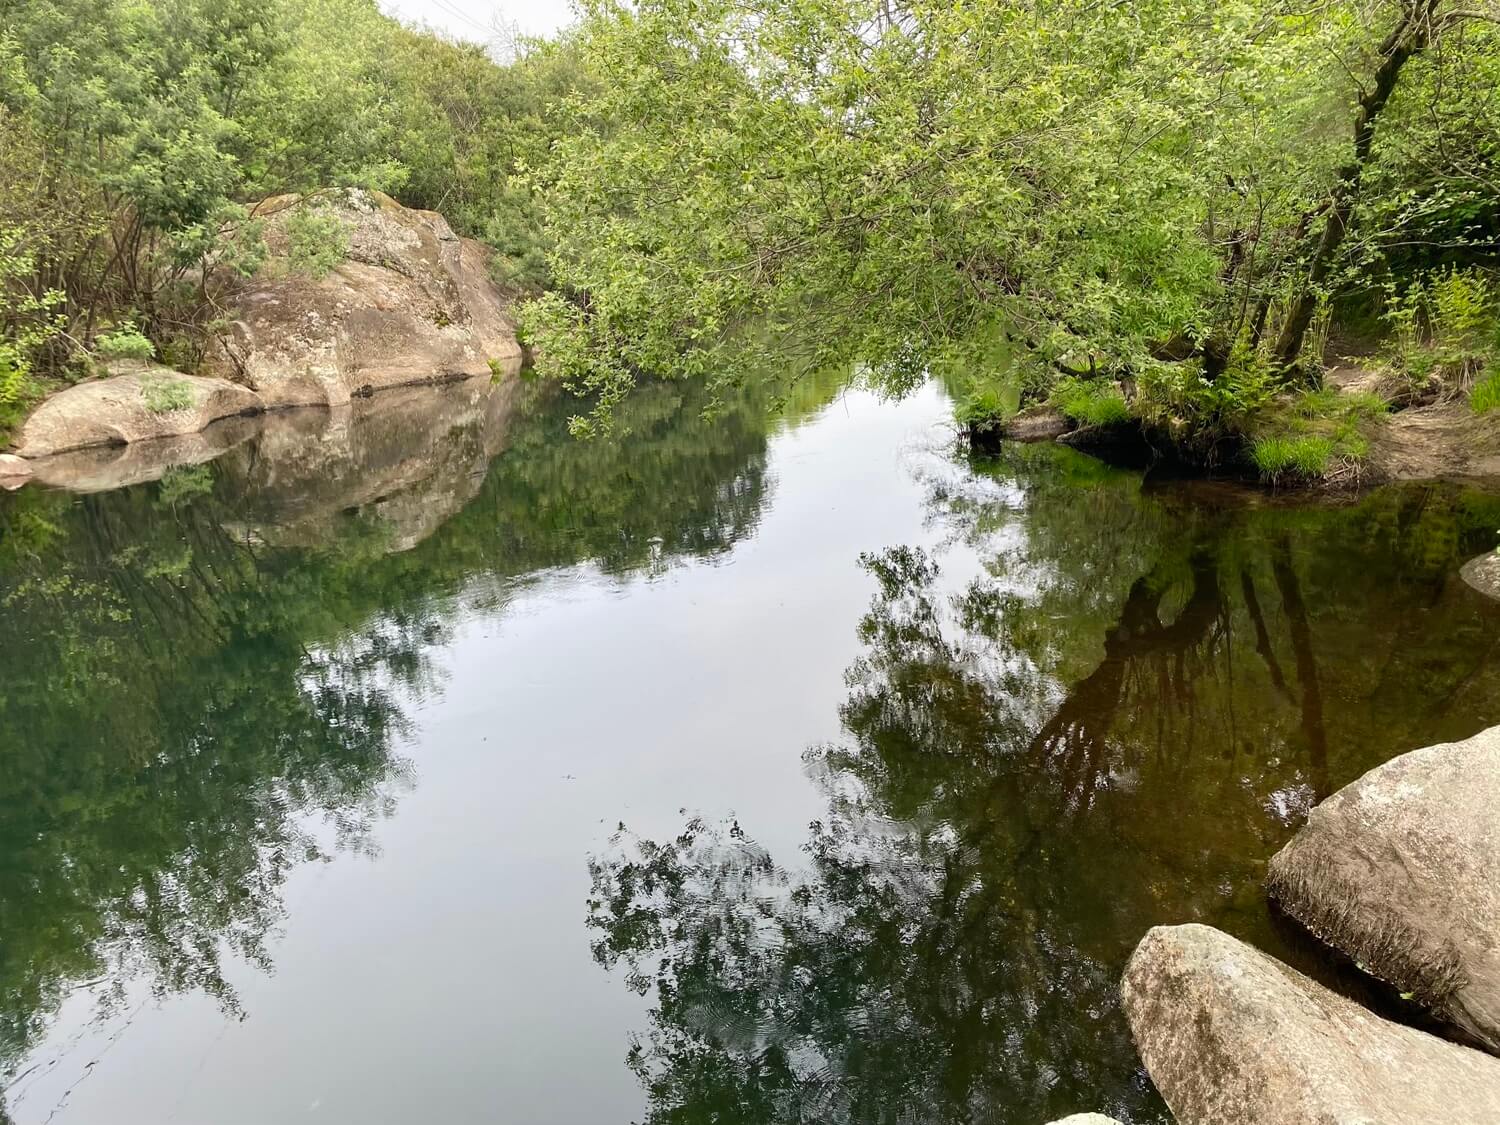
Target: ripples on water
331 756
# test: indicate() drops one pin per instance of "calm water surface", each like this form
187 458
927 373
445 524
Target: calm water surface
419 763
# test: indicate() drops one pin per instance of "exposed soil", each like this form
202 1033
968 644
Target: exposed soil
1442 441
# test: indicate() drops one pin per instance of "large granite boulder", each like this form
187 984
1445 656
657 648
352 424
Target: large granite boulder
141 403
410 303
1401 871
1231 1036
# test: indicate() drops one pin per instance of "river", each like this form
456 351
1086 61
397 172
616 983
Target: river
420 762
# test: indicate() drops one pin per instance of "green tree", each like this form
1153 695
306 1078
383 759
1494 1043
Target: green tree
1159 192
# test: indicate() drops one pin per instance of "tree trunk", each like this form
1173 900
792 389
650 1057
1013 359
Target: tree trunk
1412 34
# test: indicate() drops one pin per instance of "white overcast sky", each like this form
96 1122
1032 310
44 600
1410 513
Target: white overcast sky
471 19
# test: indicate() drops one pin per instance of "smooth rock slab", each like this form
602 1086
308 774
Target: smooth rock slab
1401 871
115 411
1483 574
104 468
1231 1036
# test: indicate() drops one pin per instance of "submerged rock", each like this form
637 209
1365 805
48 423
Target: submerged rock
1483 574
141 404
411 303
1231 1036
1401 871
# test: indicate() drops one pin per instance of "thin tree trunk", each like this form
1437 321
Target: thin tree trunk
1412 35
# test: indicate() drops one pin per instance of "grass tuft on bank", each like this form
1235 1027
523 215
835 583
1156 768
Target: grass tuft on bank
1318 435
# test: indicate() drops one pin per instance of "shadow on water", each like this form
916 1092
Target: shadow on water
204 677
1113 726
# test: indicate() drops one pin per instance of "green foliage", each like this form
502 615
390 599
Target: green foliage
164 394
125 342
1132 191
983 409
317 240
29 322
879 190
1446 327
1091 402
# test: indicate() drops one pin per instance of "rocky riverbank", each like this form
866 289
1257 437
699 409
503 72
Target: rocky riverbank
409 303
1400 873
1432 438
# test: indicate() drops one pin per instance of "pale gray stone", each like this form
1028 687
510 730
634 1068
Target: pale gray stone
411 303
1231 1036
118 410
1401 871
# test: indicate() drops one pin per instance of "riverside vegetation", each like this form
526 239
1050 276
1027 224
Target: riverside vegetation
1164 207
137 140
1171 213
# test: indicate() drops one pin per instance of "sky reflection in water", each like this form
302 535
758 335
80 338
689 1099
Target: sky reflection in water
316 758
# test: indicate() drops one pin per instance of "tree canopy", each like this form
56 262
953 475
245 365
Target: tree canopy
1162 191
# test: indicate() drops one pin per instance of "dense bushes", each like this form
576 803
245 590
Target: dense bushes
136 136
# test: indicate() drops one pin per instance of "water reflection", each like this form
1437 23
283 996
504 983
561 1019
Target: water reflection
1113 726
205 678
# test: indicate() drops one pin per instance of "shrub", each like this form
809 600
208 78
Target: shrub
125 342
317 240
17 388
1447 325
164 394
28 325
981 409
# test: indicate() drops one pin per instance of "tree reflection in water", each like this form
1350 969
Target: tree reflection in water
1113 727
204 680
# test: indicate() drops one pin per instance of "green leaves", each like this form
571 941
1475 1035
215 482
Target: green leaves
1128 188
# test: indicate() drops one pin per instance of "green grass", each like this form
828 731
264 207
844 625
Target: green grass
1092 403
164 395
1486 394
1279 456
1314 434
